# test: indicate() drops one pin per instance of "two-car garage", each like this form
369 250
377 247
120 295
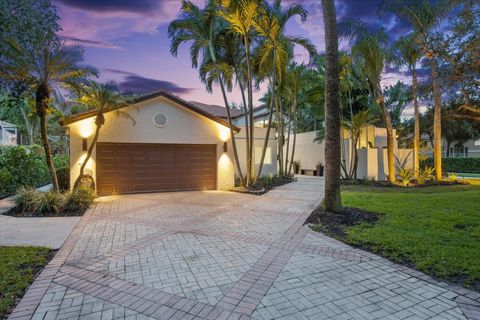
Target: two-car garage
189 149
147 167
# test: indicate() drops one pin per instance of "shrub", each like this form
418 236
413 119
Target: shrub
80 200
406 175
6 181
452 177
63 176
425 174
28 199
51 202
469 165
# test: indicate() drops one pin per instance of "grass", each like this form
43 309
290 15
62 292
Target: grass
18 268
434 229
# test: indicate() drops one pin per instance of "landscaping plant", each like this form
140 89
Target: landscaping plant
406 175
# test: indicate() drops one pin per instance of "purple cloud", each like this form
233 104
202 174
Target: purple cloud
135 84
91 43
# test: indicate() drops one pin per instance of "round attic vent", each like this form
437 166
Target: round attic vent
160 120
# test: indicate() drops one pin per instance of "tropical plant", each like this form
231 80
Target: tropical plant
425 174
47 69
370 48
406 175
332 200
407 53
101 98
425 16
200 28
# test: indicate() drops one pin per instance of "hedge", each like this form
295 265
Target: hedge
466 165
24 166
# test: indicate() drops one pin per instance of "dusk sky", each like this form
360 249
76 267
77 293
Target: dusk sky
127 41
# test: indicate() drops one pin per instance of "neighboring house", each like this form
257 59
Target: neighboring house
8 134
467 149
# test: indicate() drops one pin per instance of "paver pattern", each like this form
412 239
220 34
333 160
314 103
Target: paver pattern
221 255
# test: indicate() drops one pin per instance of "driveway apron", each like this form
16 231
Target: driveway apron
223 255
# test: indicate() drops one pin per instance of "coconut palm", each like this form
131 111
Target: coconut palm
47 70
332 200
274 53
101 98
408 54
424 16
200 27
369 47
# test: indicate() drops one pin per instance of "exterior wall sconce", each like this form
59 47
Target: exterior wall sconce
225 146
84 144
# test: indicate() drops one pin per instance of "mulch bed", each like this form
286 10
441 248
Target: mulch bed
334 224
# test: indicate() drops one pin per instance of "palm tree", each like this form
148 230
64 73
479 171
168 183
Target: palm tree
200 27
241 16
424 16
274 54
369 47
47 70
102 98
409 54
332 200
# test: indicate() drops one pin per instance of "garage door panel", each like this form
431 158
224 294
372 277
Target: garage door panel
129 168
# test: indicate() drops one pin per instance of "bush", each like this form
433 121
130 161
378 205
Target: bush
63 176
80 200
406 175
6 181
28 200
468 165
51 202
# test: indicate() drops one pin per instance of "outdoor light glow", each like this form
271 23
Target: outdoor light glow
224 133
86 128
224 162
90 162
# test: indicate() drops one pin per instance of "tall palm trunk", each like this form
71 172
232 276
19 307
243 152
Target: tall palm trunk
99 121
295 129
267 134
279 136
42 98
245 114
229 118
437 121
287 151
250 169
390 138
416 135
332 200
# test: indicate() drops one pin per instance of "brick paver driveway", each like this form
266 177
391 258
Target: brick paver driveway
219 255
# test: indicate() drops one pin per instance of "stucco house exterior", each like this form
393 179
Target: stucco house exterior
158 143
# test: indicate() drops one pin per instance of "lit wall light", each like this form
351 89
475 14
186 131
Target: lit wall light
84 144
225 146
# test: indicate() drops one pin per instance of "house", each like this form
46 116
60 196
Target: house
158 143
467 149
8 134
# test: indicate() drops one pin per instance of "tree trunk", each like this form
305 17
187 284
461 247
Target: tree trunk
295 129
99 121
416 136
229 118
279 136
42 98
287 151
267 135
245 112
250 169
332 201
390 138
437 121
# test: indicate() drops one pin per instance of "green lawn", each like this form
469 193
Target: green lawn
18 268
434 229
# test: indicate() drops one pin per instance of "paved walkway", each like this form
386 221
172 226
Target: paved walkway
48 232
218 255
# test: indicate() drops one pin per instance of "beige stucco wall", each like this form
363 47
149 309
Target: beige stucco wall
134 124
259 134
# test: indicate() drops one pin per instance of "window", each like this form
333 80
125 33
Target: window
258 155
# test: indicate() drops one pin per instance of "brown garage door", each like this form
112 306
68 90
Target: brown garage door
131 167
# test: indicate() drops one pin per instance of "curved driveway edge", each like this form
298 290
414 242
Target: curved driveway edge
221 255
